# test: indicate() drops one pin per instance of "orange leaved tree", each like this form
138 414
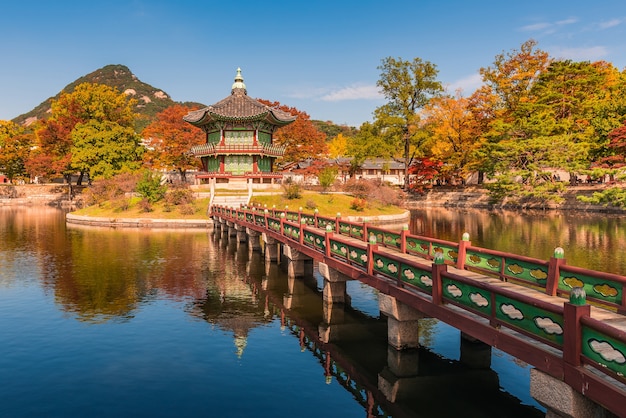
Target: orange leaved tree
301 138
169 139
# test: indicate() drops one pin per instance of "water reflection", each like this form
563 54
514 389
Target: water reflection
590 240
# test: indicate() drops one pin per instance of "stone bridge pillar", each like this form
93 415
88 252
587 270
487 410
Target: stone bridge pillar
242 236
562 400
271 248
231 229
299 265
254 242
402 322
334 284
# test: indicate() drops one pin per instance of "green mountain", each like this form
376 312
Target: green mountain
150 100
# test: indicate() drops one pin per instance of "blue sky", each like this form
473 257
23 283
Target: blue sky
318 56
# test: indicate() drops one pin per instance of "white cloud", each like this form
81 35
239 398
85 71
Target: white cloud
467 85
610 23
548 27
536 27
593 53
353 93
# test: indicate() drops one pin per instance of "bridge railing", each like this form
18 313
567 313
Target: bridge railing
554 277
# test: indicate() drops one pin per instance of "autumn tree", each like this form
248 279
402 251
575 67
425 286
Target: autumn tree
453 133
15 146
169 139
408 86
338 146
104 149
301 138
87 103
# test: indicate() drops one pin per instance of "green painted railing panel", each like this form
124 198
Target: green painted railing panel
339 248
536 274
543 324
604 350
417 246
484 261
292 216
385 237
450 252
596 288
358 256
274 224
323 222
259 220
416 276
250 218
291 231
473 297
316 240
357 231
386 266
308 219
344 228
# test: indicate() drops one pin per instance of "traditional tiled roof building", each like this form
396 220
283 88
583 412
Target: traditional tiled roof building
239 142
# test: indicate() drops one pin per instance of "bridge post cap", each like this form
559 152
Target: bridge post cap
329 228
316 211
339 214
465 236
282 215
559 252
405 227
578 296
372 239
438 258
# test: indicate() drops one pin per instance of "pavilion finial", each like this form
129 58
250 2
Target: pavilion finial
238 84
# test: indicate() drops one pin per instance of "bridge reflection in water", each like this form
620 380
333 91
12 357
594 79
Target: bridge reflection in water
351 347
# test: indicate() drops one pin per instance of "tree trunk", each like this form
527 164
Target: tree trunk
407 161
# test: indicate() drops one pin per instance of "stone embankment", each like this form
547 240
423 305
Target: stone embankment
35 194
477 197
138 222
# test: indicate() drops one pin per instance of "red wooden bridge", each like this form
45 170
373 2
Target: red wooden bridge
565 321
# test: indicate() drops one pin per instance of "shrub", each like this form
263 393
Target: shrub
327 177
145 205
179 195
292 190
150 187
187 209
110 189
121 204
358 204
310 204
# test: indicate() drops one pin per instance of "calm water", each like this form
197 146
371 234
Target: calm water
99 322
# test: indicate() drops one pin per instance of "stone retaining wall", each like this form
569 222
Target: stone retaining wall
71 218
476 197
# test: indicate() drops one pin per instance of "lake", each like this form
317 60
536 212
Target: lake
105 322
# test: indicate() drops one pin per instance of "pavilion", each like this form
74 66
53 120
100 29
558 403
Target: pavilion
239 144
